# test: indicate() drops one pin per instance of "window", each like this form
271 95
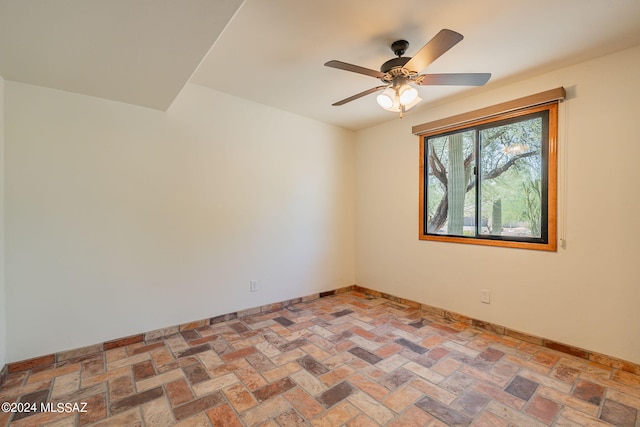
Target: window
492 181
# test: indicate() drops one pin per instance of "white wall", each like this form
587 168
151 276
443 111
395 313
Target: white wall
3 303
588 294
121 219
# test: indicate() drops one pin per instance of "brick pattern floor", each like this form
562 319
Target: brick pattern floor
345 360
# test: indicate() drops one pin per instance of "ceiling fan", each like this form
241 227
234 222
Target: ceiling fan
396 74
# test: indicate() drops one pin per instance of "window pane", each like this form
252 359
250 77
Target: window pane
511 179
450 184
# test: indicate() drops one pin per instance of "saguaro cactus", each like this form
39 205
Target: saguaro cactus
496 218
457 185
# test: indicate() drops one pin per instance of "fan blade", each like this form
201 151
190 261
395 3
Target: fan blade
442 42
359 95
354 68
455 79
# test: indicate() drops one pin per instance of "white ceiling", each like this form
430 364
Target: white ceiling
136 51
273 51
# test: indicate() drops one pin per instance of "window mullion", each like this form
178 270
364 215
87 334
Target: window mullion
476 168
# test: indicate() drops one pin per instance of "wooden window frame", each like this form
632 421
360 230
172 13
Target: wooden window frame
505 111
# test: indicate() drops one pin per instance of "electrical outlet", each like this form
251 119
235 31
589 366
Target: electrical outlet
253 286
485 296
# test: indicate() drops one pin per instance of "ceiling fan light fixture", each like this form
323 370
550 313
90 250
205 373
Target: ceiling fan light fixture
387 99
407 94
400 99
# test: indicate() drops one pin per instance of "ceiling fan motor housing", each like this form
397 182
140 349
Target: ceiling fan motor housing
394 68
399 47
394 63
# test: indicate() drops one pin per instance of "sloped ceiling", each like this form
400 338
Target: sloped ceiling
136 51
272 51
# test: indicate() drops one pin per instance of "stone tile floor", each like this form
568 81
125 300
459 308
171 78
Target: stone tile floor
345 360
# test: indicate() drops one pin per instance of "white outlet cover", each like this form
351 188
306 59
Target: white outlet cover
485 296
